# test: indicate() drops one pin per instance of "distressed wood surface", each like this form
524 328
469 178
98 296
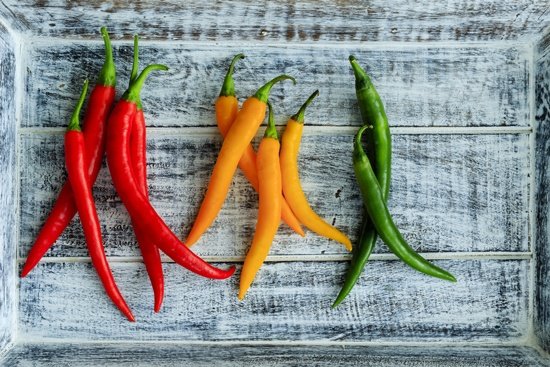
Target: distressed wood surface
453 193
182 355
350 21
288 301
542 98
420 86
8 231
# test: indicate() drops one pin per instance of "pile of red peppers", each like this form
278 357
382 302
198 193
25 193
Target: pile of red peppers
117 130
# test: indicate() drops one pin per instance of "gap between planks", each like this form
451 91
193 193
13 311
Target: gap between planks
316 130
310 258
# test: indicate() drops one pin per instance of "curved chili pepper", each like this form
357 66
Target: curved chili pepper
64 209
138 153
226 112
292 189
227 107
379 144
269 211
234 145
139 208
373 200
75 153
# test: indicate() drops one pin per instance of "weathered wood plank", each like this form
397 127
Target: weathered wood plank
8 231
456 193
288 301
542 180
183 355
317 21
471 86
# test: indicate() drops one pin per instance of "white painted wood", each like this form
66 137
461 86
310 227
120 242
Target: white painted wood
287 302
8 232
350 21
441 69
184 355
420 86
450 193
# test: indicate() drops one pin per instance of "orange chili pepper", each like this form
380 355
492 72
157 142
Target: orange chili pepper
227 108
292 189
238 137
269 212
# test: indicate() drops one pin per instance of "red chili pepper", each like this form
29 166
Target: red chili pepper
137 204
99 105
138 147
75 152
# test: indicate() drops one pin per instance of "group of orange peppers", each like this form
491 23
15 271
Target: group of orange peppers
272 172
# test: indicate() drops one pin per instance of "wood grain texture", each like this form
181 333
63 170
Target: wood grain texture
8 231
184 355
542 179
288 301
420 86
452 64
350 21
454 193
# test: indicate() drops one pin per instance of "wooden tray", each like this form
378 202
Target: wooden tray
466 91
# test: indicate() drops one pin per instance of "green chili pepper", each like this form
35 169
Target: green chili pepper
379 152
373 200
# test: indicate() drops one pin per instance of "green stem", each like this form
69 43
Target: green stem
74 125
132 93
362 80
271 130
135 66
135 62
263 93
228 87
357 143
299 117
107 76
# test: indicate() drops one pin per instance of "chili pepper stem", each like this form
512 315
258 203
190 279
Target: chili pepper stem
357 140
135 61
228 86
362 80
299 116
132 93
271 130
107 76
74 125
135 67
263 93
